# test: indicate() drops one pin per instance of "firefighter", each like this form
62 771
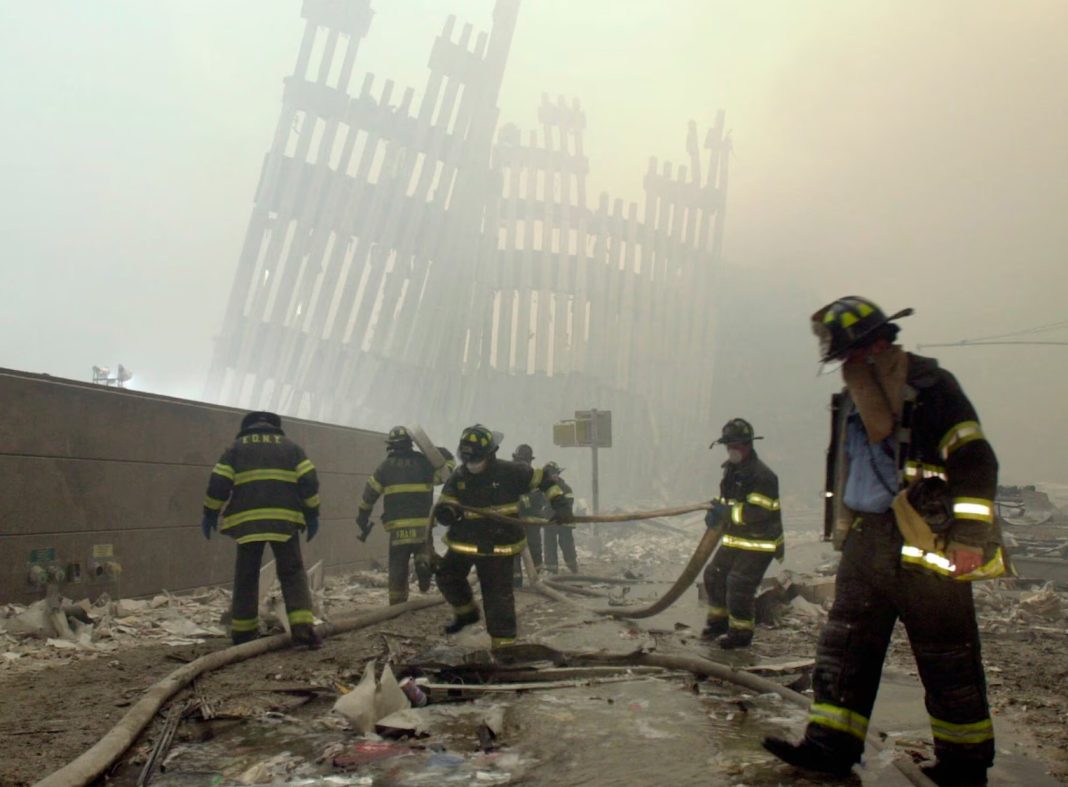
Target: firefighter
748 509
483 481
534 507
902 425
405 480
270 493
559 537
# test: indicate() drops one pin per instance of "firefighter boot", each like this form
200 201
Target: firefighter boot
956 774
714 629
462 621
736 638
305 634
423 575
809 756
241 637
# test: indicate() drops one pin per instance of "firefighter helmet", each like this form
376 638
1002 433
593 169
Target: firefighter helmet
552 470
852 322
399 437
261 417
736 430
523 453
477 442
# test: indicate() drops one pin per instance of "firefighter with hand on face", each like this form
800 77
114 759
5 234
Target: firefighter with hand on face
270 493
533 507
483 481
912 480
405 480
748 510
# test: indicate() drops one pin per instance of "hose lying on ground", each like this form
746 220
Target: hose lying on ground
95 761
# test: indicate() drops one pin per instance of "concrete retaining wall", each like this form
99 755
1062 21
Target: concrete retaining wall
84 466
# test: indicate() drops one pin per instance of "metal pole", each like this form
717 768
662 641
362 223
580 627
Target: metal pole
593 440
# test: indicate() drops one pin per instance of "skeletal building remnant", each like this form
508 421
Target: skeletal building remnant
419 259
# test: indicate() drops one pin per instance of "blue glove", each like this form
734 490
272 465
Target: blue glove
312 521
719 513
209 522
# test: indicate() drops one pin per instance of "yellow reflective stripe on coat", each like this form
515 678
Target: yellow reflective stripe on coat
976 732
763 501
256 514
536 478
499 550
304 468
226 471
838 718
507 509
915 470
252 538
248 476
751 544
553 492
960 435
213 503
975 508
311 502
941 564
411 521
373 483
736 513
449 499
396 489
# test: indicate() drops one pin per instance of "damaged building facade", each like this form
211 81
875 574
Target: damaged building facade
419 261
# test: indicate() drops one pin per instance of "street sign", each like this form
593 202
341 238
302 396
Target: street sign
585 429
565 434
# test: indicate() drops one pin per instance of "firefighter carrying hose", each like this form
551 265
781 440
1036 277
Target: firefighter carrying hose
270 492
913 480
405 480
533 507
748 508
483 481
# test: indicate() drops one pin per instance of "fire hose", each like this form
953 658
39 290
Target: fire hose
697 561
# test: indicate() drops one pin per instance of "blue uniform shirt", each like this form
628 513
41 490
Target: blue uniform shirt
864 491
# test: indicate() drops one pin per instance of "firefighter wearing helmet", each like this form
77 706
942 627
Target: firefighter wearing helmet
405 481
532 507
748 511
486 482
912 481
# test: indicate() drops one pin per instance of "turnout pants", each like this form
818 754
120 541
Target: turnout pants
731 581
405 546
872 590
563 536
533 534
495 579
246 599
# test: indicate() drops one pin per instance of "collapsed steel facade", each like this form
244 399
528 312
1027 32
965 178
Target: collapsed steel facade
427 264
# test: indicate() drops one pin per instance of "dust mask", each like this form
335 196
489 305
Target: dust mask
476 467
734 456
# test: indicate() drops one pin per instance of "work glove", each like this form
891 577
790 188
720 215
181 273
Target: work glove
448 515
209 522
562 517
965 560
718 514
312 522
363 521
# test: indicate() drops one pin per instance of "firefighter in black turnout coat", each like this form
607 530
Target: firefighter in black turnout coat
483 481
405 480
268 492
912 486
748 508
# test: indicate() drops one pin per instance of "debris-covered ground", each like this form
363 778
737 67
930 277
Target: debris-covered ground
62 695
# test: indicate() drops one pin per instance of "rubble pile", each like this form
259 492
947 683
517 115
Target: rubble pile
29 640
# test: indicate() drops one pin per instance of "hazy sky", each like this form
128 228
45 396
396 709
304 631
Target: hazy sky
915 152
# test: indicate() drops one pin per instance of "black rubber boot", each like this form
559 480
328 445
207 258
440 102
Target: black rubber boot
461 622
714 629
809 756
956 774
241 637
305 634
736 638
